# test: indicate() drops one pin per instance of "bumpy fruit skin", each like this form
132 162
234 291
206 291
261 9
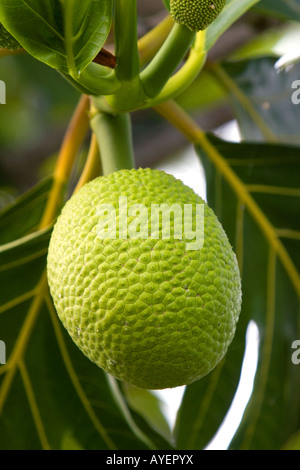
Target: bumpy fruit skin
7 41
147 311
196 14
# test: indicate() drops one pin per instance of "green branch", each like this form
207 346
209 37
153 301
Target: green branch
187 74
114 136
126 40
161 68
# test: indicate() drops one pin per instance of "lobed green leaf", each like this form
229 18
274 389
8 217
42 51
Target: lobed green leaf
64 34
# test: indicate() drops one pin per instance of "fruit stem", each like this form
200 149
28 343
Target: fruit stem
152 41
126 40
114 136
161 68
181 80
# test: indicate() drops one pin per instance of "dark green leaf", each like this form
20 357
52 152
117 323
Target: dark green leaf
23 216
22 263
260 215
64 34
262 99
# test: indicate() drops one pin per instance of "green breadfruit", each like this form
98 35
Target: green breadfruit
196 14
148 310
7 41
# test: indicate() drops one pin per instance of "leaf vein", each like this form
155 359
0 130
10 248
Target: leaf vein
74 378
33 406
42 19
17 301
266 352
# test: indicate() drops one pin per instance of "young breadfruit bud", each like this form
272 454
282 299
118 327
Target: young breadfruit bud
7 41
196 14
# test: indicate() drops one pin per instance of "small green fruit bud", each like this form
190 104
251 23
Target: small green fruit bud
196 14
